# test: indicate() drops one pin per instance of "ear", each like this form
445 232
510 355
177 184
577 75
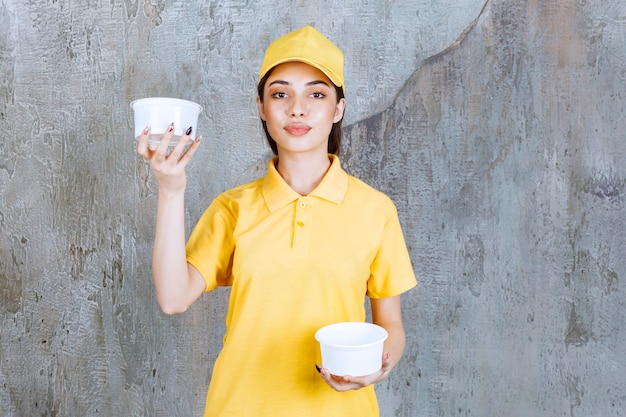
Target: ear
260 106
339 109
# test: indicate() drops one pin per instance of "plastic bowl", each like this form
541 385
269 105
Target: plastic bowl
159 112
351 348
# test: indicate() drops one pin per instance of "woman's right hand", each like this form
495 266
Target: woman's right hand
169 167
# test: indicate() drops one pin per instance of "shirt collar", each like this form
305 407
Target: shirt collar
277 193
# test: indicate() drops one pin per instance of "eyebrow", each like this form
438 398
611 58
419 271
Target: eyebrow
310 83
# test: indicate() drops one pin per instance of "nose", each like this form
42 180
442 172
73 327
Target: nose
298 106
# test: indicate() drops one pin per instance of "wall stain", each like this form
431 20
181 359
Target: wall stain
113 275
606 187
574 393
11 272
611 280
131 7
473 260
576 333
153 11
588 269
10 292
79 259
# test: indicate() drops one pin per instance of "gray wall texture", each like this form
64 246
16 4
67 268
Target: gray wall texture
497 126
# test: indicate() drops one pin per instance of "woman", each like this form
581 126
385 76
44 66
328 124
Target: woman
301 248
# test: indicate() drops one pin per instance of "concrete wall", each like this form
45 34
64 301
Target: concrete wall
497 127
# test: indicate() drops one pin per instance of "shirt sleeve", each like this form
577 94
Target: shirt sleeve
210 246
391 271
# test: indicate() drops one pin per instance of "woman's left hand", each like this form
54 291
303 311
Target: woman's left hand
347 382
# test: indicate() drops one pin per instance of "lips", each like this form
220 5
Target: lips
297 129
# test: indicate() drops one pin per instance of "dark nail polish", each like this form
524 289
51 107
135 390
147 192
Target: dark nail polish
317 367
188 131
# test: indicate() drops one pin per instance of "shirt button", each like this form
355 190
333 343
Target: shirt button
302 204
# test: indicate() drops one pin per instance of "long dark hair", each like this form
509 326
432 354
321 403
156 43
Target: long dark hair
334 137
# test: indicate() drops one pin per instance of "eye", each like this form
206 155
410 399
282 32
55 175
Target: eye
318 94
279 94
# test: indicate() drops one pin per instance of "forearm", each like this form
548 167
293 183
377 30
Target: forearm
386 312
169 264
396 341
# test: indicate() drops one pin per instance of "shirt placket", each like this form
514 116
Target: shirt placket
302 225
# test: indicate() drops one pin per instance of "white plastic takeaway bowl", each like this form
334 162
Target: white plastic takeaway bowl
351 348
159 112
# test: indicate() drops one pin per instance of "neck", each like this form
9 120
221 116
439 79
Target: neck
303 174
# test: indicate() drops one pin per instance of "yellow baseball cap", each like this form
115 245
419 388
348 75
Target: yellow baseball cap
309 46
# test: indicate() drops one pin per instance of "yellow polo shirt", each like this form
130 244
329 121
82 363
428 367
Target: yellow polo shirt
295 264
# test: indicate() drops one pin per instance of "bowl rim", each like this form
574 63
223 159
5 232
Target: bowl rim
382 333
164 100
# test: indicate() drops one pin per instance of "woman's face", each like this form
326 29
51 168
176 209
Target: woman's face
300 106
